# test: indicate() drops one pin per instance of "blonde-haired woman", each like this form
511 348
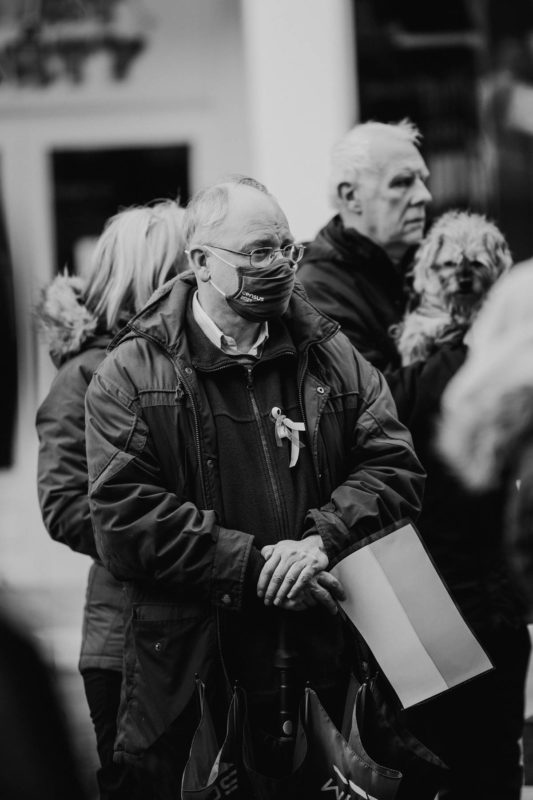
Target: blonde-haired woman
139 249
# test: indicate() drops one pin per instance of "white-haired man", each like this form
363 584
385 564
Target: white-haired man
202 499
354 270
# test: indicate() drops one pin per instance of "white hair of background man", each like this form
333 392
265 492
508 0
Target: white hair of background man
352 154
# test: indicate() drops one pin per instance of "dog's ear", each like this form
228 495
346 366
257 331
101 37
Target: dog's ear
498 250
425 257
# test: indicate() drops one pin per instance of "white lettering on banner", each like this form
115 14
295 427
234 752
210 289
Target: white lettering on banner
329 786
227 785
341 794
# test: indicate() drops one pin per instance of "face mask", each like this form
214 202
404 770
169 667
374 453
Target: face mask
263 292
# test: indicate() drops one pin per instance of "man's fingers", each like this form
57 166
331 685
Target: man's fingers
306 574
281 577
289 566
267 551
266 573
323 597
334 586
290 578
301 603
283 563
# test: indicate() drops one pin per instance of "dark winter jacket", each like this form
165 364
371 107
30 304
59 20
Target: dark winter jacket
353 280
463 531
77 349
155 487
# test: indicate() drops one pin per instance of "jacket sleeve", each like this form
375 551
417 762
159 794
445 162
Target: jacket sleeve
385 478
145 530
62 463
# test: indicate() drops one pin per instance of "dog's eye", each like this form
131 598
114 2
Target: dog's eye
477 264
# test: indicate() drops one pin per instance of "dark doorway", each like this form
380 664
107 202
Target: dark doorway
91 185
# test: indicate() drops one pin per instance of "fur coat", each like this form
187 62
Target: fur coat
64 320
77 348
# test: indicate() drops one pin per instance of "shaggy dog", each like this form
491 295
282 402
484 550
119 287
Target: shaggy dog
455 266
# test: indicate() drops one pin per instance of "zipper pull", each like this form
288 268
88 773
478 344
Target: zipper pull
249 380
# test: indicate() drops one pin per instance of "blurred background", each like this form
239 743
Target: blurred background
106 103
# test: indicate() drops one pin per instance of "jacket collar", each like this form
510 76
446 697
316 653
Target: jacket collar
163 319
207 357
360 254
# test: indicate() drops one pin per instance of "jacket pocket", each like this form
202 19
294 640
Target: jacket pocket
169 645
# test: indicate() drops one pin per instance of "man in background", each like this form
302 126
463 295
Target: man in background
354 270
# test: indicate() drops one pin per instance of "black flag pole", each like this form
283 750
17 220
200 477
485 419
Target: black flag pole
285 662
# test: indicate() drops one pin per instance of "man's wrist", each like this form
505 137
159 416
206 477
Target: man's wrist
316 540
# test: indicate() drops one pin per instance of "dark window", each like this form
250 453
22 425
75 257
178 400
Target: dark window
92 185
459 70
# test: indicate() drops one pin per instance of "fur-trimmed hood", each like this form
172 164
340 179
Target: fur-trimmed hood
63 319
487 417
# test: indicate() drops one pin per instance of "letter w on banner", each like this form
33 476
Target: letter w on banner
399 604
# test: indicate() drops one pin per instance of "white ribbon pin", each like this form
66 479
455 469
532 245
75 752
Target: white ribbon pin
285 428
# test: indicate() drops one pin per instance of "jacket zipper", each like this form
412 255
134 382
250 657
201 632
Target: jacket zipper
270 468
310 434
188 390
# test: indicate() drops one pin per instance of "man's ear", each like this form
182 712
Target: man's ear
348 194
198 260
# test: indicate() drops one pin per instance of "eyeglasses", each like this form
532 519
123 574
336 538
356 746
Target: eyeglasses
264 256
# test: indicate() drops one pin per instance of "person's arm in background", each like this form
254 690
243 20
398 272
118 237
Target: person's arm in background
62 463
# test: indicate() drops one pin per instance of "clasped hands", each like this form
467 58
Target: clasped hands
294 576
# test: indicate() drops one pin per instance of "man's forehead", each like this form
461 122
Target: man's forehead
250 209
391 156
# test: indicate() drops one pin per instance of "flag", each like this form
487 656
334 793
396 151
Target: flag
401 607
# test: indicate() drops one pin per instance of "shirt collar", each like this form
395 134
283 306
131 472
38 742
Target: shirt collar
221 340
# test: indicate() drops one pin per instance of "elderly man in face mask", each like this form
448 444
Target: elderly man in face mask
237 444
354 270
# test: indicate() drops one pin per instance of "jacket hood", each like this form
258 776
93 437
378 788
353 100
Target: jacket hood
487 417
163 318
64 320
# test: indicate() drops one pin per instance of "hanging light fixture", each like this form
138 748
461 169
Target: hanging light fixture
53 39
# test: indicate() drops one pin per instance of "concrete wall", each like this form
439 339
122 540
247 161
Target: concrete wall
302 89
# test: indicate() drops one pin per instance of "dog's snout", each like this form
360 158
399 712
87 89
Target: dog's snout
466 283
465 277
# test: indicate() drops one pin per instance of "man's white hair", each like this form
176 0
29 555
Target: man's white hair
208 207
351 155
